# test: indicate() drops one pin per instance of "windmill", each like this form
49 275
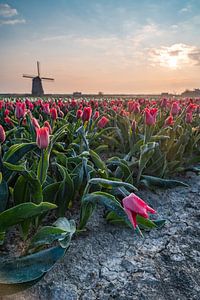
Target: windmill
37 89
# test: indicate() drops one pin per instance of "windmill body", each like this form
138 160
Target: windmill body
37 89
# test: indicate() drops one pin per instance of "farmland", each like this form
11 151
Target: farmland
61 156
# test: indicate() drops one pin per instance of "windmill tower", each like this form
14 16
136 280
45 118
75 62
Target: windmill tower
37 89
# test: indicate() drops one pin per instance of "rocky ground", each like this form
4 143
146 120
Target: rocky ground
109 262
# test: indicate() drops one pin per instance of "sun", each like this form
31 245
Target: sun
172 62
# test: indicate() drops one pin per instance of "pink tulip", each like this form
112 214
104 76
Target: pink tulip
102 122
35 123
150 116
133 206
2 135
20 110
188 118
46 124
175 108
42 139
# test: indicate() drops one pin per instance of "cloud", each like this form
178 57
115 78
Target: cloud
7 11
185 9
175 56
12 21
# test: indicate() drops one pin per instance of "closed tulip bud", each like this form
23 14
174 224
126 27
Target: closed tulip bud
150 116
46 124
45 108
87 112
35 123
6 112
42 139
175 108
96 115
188 118
2 135
20 110
54 114
102 122
133 206
169 121
8 121
79 113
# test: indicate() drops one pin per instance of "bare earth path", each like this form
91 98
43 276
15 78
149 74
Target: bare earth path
109 262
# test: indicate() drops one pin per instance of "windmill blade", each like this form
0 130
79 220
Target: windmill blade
38 68
28 76
46 78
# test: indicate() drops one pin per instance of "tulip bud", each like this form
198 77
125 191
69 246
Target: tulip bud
2 135
42 139
150 116
188 118
79 113
54 114
46 124
20 110
35 123
87 112
96 115
169 121
133 126
102 122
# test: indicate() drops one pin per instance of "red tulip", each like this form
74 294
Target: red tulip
8 121
6 112
169 121
42 139
102 122
20 110
2 135
96 115
87 112
54 114
150 116
79 113
134 206
46 124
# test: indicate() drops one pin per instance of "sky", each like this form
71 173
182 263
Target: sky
112 46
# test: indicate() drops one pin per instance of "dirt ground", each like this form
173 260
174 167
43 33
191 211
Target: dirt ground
110 262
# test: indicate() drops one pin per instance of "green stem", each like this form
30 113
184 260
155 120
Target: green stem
42 166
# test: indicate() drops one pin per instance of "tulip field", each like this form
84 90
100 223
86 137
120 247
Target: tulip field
65 156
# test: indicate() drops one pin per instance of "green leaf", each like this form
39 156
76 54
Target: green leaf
147 223
105 199
15 168
162 183
22 212
43 166
21 193
98 162
65 192
30 267
4 194
146 152
112 183
16 152
47 235
50 192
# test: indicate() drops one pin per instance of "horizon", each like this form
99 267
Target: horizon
129 47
